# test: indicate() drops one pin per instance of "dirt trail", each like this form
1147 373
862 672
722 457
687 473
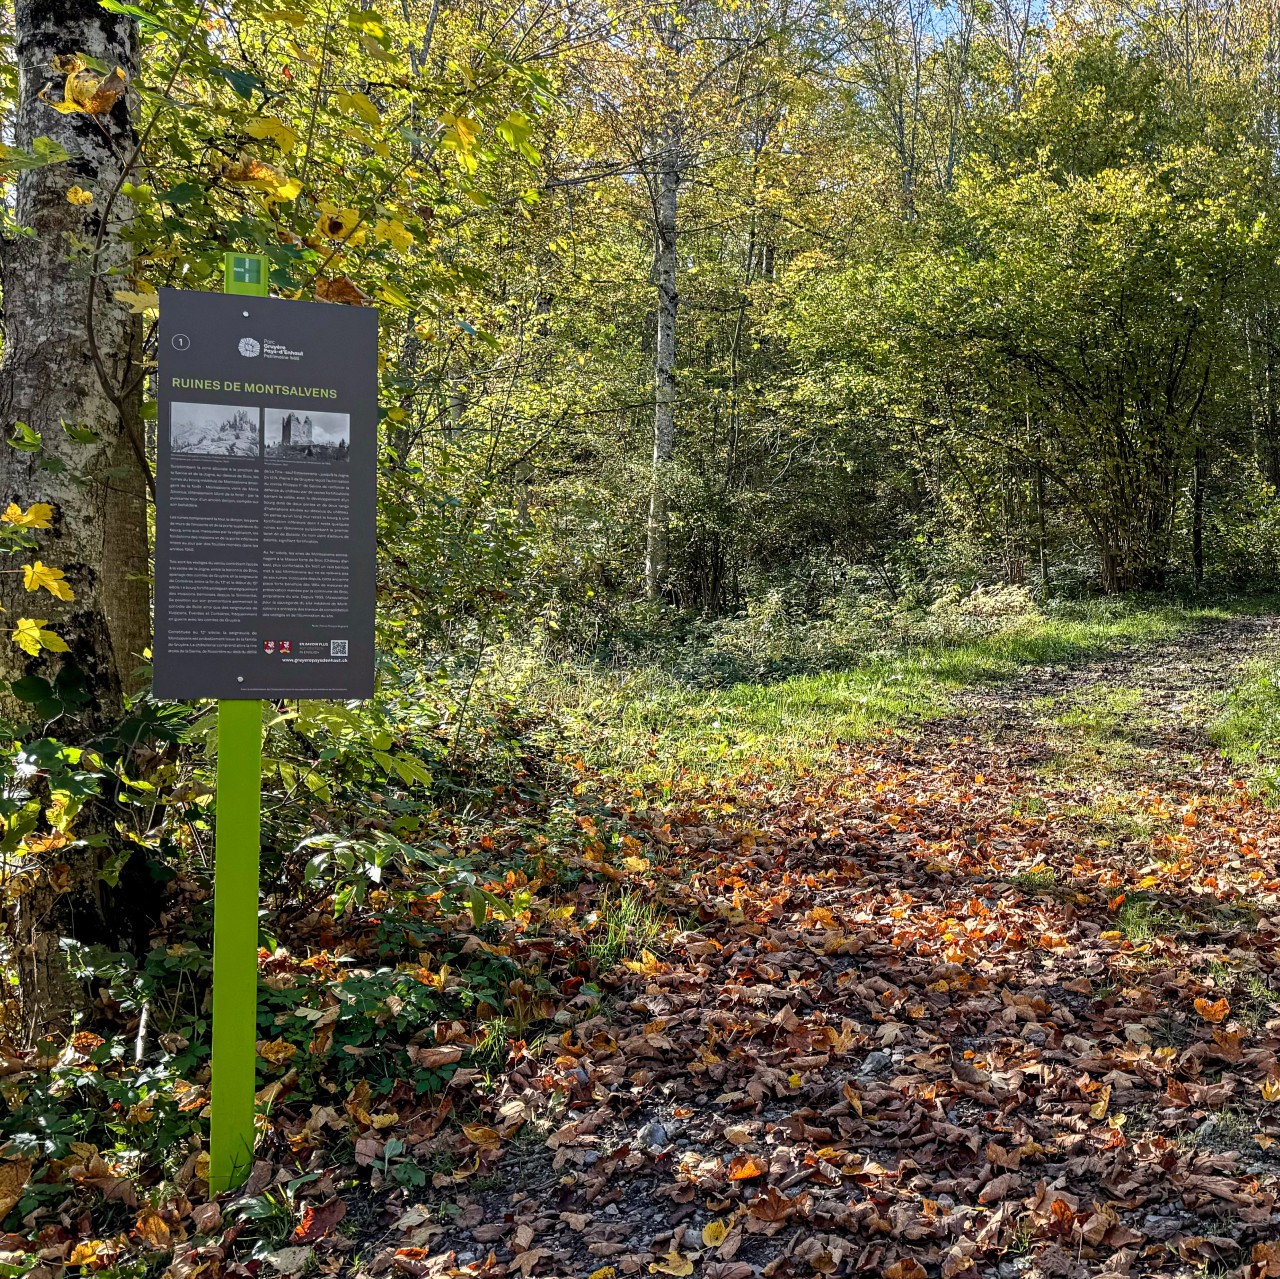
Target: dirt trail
1181 682
997 998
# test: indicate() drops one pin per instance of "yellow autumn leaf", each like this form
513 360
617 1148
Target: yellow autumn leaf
481 1136
153 1228
460 132
37 575
87 94
37 515
262 177
26 635
395 233
86 1252
78 195
1270 1089
674 1263
277 1051
605 1272
269 129
1099 1108
30 636
139 303
714 1233
358 105
339 224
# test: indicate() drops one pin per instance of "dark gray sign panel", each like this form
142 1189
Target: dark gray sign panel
266 494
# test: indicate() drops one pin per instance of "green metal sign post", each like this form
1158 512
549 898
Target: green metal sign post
265 580
235 892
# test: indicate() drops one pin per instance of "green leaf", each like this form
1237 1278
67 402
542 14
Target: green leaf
243 82
24 439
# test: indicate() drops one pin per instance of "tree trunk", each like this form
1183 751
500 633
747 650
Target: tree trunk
97 489
1197 516
664 365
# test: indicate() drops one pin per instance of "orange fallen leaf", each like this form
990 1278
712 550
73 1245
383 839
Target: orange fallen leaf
744 1167
1214 1012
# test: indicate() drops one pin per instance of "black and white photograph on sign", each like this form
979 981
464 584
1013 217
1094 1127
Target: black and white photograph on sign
223 430
307 436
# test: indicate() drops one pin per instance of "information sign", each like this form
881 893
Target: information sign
265 497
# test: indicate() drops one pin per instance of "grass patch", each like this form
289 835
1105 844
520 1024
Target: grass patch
1247 730
1039 879
649 724
626 927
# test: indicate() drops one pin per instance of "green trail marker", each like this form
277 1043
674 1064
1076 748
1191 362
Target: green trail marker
235 891
265 555
245 273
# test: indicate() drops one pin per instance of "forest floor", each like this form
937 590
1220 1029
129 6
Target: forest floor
999 995
993 992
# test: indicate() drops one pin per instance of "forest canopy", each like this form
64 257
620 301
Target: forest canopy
700 302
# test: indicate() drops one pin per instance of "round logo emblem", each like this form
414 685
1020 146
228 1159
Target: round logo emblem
250 346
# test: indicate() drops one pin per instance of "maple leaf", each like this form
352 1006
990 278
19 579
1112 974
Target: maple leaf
395 233
336 223
31 636
674 1263
745 1167
1215 1011
139 303
461 132
87 94
37 575
37 515
270 181
152 1228
86 1252
358 104
341 289
524 1262
714 1233
269 129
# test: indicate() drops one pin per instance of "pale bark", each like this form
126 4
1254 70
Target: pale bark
49 381
666 197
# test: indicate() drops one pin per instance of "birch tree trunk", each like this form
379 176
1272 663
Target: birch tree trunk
666 198
97 489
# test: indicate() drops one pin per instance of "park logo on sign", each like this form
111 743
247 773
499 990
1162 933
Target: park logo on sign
250 346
